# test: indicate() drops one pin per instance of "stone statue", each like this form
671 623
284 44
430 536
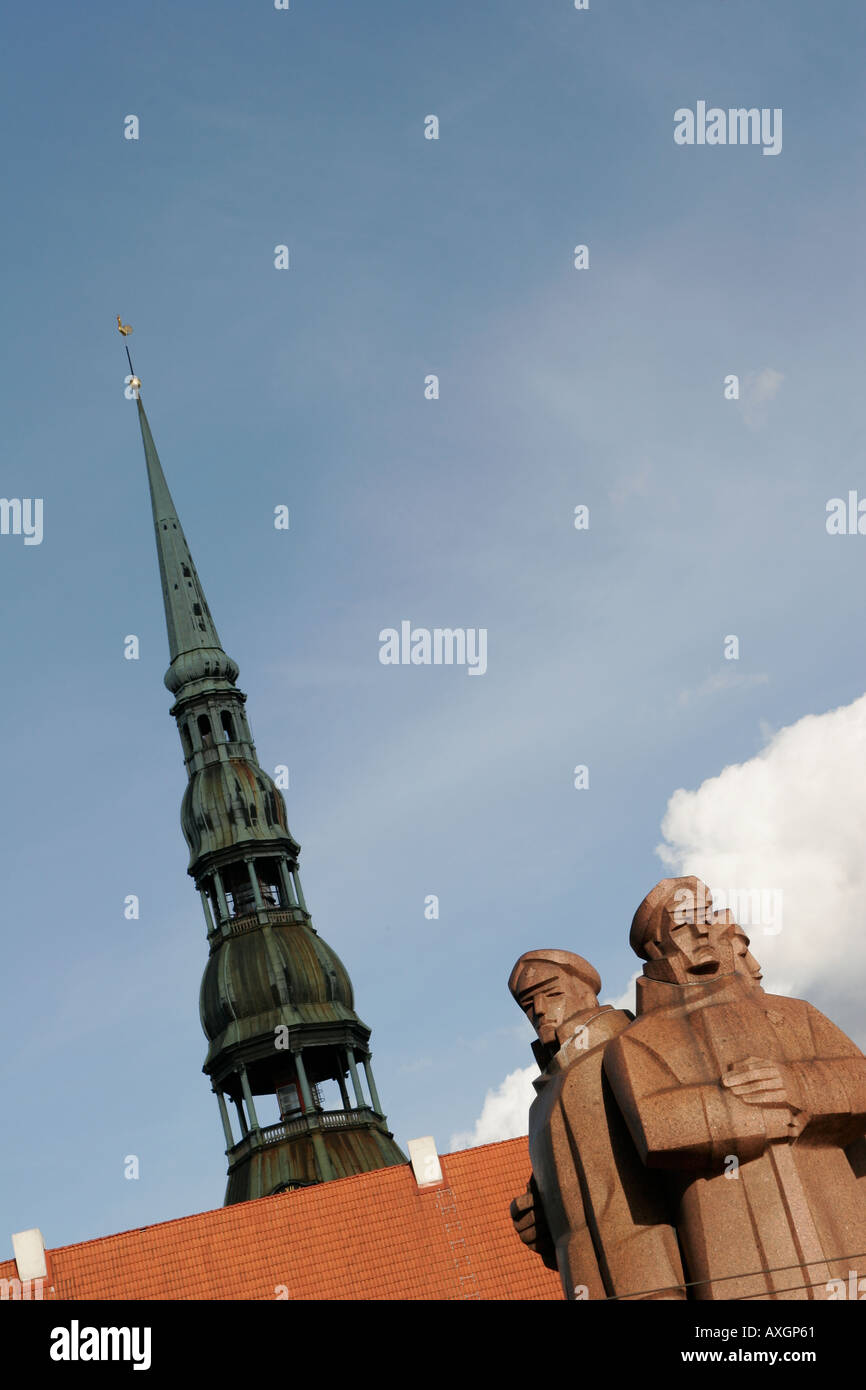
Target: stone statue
746 1101
591 1208
744 962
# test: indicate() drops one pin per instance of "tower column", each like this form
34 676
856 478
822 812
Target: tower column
256 886
323 1159
356 1081
248 1097
222 900
371 1085
306 1093
343 1092
286 881
245 1129
208 917
300 892
224 1116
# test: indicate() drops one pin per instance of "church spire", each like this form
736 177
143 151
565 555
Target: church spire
276 1002
194 646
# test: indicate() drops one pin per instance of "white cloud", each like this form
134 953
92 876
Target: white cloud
505 1113
791 819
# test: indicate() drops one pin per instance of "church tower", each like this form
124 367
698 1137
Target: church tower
276 1002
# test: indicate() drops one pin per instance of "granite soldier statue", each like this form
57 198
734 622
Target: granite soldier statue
590 1203
746 1100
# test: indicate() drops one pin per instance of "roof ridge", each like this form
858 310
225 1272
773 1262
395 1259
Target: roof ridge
324 1188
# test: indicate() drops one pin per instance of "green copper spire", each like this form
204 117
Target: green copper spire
194 646
276 1002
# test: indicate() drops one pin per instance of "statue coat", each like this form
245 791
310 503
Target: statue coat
606 1215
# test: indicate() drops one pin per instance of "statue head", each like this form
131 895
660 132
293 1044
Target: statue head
551 986
678 935
744 962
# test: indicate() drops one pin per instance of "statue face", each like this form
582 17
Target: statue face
553 998
692 945
744 961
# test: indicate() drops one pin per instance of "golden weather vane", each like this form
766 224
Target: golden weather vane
124 329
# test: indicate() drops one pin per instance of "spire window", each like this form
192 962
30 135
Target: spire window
228 726
205 730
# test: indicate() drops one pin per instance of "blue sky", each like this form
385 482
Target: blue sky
306 387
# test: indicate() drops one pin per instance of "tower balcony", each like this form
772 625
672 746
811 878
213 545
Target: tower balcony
306 1149
250 921
315 1122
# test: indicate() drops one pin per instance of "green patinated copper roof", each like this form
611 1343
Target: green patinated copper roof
291 969
233 802
193 641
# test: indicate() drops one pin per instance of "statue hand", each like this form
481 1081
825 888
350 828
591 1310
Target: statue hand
527 1215
760 1082
523 1217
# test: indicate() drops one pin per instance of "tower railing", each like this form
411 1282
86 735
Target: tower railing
238 926
301 1124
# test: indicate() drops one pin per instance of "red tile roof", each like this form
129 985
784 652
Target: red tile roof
373 1236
